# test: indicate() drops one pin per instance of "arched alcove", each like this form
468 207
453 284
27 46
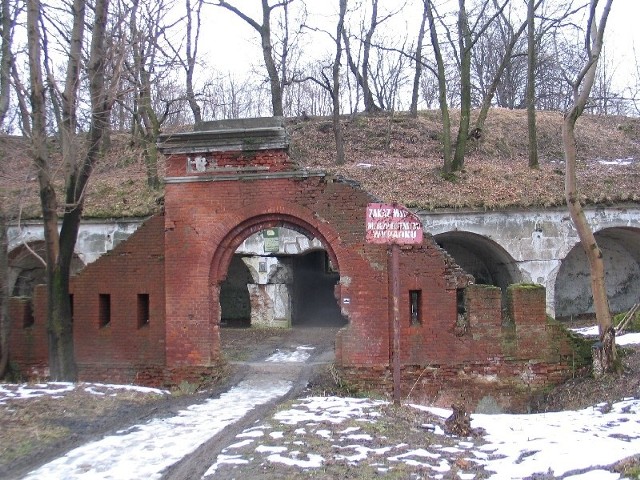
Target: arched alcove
621 252
235 304
483 258
26 268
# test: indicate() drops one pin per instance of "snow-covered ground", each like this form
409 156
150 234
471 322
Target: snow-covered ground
579 444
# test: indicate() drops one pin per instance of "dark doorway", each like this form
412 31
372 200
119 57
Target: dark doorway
235 305
314 302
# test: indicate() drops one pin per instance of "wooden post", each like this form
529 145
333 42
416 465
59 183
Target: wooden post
395 292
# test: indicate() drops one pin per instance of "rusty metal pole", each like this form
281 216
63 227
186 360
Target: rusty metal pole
395 293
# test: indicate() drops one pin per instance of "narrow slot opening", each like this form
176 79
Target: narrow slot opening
104 309
415 309
143 310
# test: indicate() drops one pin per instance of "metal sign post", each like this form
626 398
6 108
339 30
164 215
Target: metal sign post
393 225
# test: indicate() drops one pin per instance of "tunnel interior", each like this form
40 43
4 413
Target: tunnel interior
314 302
479 256
235 304
283 279
621 253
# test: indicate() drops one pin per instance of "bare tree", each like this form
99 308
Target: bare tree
361 70
605 353
146 67
5 319
531 85
264 30
335 92
415 92
497 74
442 88
78 161
331 84
468 36
6 61
191 54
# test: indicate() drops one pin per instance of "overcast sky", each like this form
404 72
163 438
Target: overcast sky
232 45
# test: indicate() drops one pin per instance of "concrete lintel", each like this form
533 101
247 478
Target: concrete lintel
243 176
241 135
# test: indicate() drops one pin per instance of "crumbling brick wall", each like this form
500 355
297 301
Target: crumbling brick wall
455 343
124 346
506 360
28 350
124 349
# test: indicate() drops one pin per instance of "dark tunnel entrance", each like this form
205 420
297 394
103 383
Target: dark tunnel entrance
621 252
314 303
280 278
235 304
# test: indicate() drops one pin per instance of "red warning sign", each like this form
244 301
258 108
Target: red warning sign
392 223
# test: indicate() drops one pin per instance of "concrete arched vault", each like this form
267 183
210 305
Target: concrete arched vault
486 260
621 252
27 268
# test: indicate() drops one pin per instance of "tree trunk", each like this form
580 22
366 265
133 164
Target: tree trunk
415 94
504 62
192 53
5 320
531 86
59 355
267 54
442 91
464 42
6 63
59 247
264 31
367 94
151 161
605 351
335 93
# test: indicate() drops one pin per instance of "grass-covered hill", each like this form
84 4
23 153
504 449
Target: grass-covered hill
396 158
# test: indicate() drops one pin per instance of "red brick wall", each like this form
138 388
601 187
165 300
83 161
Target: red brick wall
28 345
180 259
207 220
510 360
121 350
205 223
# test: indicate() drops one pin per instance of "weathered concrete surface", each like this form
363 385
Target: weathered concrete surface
540 244
95 237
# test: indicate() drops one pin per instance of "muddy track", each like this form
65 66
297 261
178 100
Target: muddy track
261 373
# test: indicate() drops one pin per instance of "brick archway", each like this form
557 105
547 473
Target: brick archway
226 248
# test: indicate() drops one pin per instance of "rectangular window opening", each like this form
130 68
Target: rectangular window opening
28 319
415 301
460 301
143 309
104 309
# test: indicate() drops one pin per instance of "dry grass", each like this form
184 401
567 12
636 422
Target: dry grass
400 159
395 158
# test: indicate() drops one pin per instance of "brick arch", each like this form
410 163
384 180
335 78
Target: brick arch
234 238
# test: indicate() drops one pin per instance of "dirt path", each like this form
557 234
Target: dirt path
254 354
267 367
